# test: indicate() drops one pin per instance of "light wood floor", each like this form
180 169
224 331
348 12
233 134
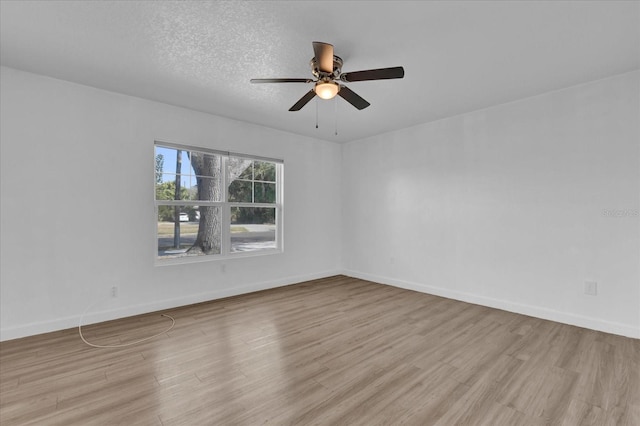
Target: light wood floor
336 351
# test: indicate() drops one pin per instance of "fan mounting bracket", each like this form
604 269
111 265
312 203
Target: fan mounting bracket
337 68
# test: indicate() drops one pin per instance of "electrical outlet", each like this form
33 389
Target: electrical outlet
591 288
114 291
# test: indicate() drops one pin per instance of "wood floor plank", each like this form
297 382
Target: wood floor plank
331 351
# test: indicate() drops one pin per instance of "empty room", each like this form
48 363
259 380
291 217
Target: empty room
320 213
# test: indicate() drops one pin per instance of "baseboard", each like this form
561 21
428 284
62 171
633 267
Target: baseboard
32 329
505 305
107 315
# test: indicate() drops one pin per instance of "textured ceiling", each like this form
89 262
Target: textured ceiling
458 56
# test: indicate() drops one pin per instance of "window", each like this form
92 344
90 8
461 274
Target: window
213 204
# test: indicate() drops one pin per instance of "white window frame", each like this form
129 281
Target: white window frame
225 207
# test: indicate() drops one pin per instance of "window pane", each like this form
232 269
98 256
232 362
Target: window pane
239 168
264 171
206 189
240 191
207 180
264 192
204 164
197 231
199 175
253 228
167 161
166 190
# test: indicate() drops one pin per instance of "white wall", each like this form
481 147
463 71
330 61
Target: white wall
77 210
505 207
502 207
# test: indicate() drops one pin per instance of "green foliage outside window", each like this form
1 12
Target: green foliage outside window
167 191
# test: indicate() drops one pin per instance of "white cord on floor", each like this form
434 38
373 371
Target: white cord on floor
173 322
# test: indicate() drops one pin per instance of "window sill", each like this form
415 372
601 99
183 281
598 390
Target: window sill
215 258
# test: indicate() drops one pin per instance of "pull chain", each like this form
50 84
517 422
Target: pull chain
336 112
335 103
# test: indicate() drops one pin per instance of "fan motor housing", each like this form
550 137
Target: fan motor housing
337 68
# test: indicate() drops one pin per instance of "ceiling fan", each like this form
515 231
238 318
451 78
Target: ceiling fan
327 69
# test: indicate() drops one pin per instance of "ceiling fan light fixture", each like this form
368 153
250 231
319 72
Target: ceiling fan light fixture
327 68
326 89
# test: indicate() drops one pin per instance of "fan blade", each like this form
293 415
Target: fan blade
303 101
377 74
353 98
324 56
281 80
